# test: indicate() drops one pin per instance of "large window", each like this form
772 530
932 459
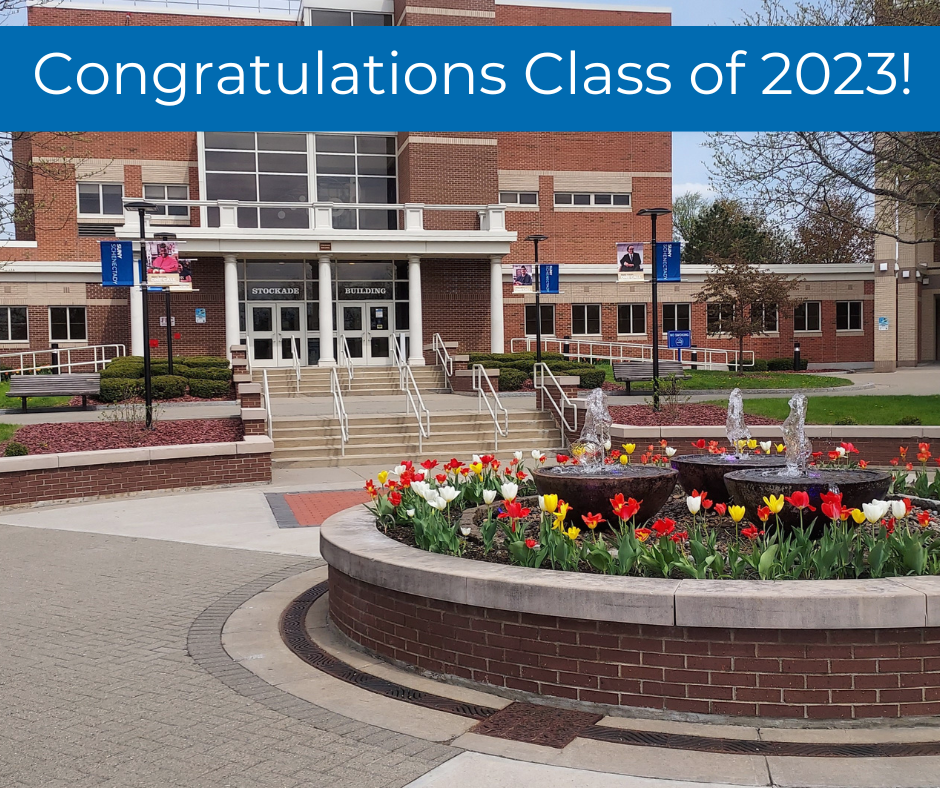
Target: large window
719 318
767 314
13 324
329 18
302 168
100 199
548 319
631 319
67 323
677 317
806 316
585 319
160 191
519 198
585 199
848 315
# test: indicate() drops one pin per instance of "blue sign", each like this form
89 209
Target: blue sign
679 339
548 278
668 262
117 263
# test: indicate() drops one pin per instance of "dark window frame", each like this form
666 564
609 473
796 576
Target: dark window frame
70 323
590 314
849 316
805 314
626 314
548 320
677 322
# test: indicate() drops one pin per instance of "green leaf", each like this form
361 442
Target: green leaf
766 563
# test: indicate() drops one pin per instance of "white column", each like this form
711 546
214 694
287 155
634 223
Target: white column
137 313
232 329
326 314
497 330
416 328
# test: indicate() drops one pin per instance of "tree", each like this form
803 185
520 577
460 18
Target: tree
686 208
741 292
842 13
725 229
832 234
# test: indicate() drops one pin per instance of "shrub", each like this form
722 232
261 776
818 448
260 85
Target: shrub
15 449
497 359
123 368
206 361
759 366
785 364
845 421
168 386
206 373
511 379
207 389
591 378
908 421
118 389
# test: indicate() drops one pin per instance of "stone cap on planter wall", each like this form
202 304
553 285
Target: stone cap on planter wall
350 542
834 433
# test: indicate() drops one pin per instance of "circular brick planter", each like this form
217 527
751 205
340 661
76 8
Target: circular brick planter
823 649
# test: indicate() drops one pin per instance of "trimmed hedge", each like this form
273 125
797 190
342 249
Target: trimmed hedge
206 361
759 366
117 389
123 369
512 379
591 378
15 449
208 389
785 364
206 373
497 359
168 386
122 378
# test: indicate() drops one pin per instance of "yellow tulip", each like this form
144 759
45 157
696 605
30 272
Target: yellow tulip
572 533
774 503
629 448
859 516
742 443
781 448
624 459
477 468
736 512
752 443
382 477
550 502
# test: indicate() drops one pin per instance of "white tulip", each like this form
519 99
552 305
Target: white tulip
489 496
607 445
670 451
517 455
509 490
465 530
694 504
421 489
537 455
448 493
410 512
840 451
765 446
438 503
398 470
875 510
898 509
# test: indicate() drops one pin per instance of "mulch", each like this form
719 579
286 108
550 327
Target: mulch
93 436
76 402
688 415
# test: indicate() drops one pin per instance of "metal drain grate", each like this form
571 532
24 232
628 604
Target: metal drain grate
536 724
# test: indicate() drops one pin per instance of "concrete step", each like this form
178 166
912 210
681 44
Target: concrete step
539 439
333 458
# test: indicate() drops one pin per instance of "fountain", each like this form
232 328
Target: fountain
707 471
589 485
749 487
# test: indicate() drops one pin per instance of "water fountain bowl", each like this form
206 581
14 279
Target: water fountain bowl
707 471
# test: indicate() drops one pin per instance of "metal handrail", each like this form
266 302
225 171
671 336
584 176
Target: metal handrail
269 417
706 357
339 409
23 368
295 348
539 374
479 375
346 361
407 382
443 357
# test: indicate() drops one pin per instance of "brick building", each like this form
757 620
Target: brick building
402 234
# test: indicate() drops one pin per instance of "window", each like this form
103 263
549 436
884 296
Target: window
13 325
585 319
548 319
582 199
631 319
519 198
67 323
162 192
848 315
357 169
323 18
100 199
806 316
677 317
719 318
767 314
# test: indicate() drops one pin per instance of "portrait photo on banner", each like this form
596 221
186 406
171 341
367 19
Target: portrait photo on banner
523 280
630 262
163 263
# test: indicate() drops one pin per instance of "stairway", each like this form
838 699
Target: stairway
315 442
368 381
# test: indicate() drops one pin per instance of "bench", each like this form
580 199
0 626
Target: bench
25 386
632 371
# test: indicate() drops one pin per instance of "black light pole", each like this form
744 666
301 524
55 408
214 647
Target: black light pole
142 207
169 318
653 213
536 239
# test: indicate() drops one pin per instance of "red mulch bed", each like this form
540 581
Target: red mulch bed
93 436
76 402
689 415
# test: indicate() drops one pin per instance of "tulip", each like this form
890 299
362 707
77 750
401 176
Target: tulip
624 459
398 470
629 448
572 533
465 530
781 448
752 443
875 510
642 534
410 512
923 518
592 520
607 445
694 503
422 489
383 477
664 527
751 532
532 544
699 444
438 503
489 496
863 464
670 451
800 500
477 468
548 503
394 498
509 490
560 514
538 456
517 455
774 503
898 509
858 515
721 508
737 513
840 451
763 513
448 493
765 446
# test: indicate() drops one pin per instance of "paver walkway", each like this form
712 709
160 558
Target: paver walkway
313 508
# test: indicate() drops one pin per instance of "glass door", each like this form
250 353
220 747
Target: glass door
275 331
368 332
290 334
380 334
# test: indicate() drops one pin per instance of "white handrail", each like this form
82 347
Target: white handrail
539 374
339 409
706 357
295 352
407 383
99 360
443 357
345 360
479 376
269 418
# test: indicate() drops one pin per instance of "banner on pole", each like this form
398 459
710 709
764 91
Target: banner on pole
117 263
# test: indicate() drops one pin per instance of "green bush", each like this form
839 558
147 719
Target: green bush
512 379
123 368
168 386
591 378
759 366
207 389
207 373
15 449
909 421
206 361
498 359
785 364
119 389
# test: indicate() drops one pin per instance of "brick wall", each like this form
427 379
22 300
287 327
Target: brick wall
456 301
516 15
41 16
836 674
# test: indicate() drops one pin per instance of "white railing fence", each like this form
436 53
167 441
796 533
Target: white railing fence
30 362
543 380
413 400
268 416
702 357
345 361
295 352
339 409
486 395
443 357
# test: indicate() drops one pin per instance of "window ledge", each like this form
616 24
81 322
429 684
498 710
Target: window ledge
593 209
116 220
634 335
808 333
592 337
531 208
850 332
15 344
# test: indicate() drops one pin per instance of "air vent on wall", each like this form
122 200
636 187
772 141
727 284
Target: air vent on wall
96 231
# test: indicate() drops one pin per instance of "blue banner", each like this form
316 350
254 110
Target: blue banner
117 263
548 278
485 79
668 262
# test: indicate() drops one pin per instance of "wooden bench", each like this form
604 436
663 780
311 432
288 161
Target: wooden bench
628 372
25 386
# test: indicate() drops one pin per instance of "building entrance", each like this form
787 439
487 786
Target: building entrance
276 334
367 328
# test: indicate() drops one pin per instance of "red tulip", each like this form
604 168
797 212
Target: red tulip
699 444
394 498
592 520
664 527
531 544
751 532
800 500
428 464
721 508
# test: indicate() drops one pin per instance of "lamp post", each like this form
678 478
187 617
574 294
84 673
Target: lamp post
536 240
653 213
166 303
143 207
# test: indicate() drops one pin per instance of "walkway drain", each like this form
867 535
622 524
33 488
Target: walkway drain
536 724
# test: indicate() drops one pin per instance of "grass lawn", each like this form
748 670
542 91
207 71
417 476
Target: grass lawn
7 430
864 409
707 379
34 402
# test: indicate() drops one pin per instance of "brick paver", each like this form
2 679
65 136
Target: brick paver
314 508
112 676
